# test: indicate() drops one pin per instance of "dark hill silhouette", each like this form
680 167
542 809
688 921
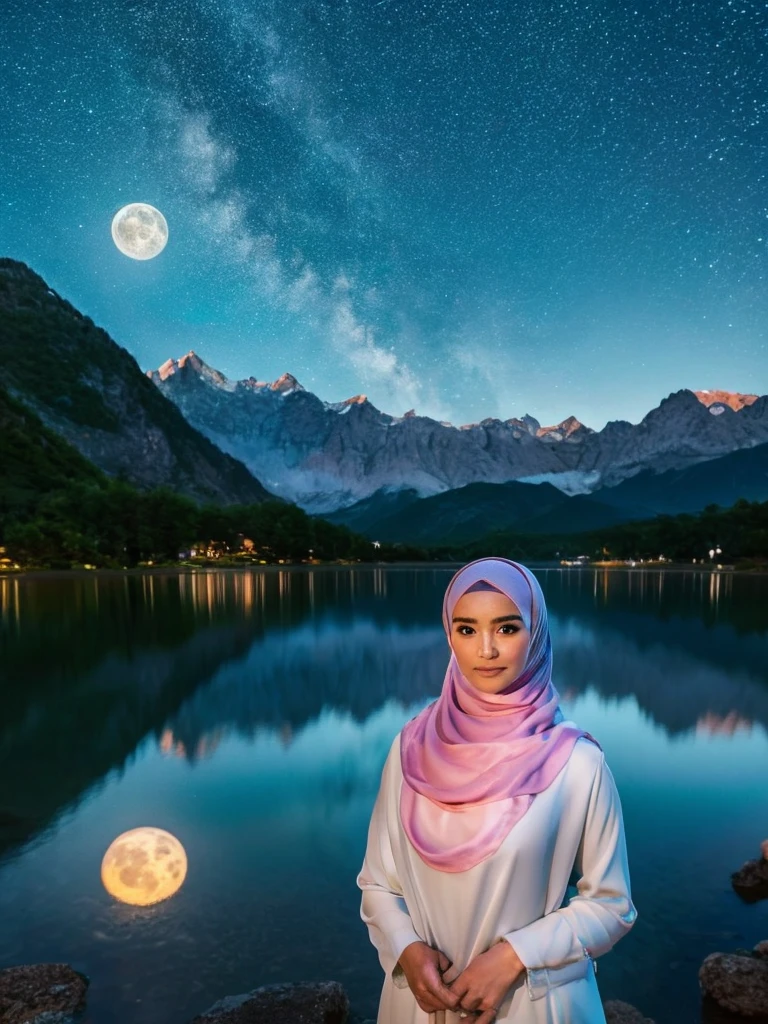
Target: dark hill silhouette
92 393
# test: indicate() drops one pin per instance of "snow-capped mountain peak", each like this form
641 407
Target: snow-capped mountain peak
733 399
285 384
312 452
192 363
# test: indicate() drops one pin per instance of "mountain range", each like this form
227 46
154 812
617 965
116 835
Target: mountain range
466 513
408 478
369 470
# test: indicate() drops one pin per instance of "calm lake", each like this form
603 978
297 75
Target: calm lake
249 713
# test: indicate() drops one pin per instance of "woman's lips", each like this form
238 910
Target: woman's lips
489 671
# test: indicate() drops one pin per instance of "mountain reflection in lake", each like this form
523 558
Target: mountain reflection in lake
249 714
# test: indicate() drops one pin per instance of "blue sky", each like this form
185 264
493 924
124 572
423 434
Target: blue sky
467 208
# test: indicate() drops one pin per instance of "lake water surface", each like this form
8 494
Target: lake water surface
249 713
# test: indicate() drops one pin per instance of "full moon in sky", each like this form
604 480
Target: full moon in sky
143 866
140 231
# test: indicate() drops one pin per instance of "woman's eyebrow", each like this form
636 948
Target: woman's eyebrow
499 618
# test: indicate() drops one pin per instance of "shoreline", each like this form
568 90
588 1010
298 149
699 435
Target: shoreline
165 570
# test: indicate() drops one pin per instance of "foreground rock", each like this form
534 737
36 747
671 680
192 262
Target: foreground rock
711 1013
737 982
325 1002
617 1012
44 993
751 880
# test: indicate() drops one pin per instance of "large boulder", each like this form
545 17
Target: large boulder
323 1002
713 1013
617 1012
41 994
737 983
751 880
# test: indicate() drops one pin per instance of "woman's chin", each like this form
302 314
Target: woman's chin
489 684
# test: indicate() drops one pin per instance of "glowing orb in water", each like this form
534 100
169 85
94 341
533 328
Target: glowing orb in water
144 866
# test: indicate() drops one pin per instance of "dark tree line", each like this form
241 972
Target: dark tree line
741 532
115 525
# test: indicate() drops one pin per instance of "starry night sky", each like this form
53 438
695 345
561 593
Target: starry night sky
470 208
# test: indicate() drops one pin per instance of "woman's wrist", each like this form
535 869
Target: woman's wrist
516 965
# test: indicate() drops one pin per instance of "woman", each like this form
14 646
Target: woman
489 803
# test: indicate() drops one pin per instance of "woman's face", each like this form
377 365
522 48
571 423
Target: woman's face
489 639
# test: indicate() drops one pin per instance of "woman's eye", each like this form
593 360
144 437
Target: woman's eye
510 628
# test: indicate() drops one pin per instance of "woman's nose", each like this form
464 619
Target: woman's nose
487 648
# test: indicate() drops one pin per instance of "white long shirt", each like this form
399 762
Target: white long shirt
574 826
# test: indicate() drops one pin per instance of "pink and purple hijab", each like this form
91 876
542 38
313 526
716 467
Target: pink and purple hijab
481 756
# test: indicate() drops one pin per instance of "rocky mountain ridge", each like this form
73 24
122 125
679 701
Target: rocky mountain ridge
465 513
327 456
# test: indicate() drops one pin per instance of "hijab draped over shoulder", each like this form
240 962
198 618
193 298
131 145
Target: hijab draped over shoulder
483 757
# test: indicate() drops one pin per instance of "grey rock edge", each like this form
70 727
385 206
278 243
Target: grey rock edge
326 1003
617 1012
304 1003
41 994
738 982
751 880
55 994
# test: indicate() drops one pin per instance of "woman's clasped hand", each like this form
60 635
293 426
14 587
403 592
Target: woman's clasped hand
477 991
423 968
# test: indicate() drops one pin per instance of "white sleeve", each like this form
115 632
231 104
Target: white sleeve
602 912
383 908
